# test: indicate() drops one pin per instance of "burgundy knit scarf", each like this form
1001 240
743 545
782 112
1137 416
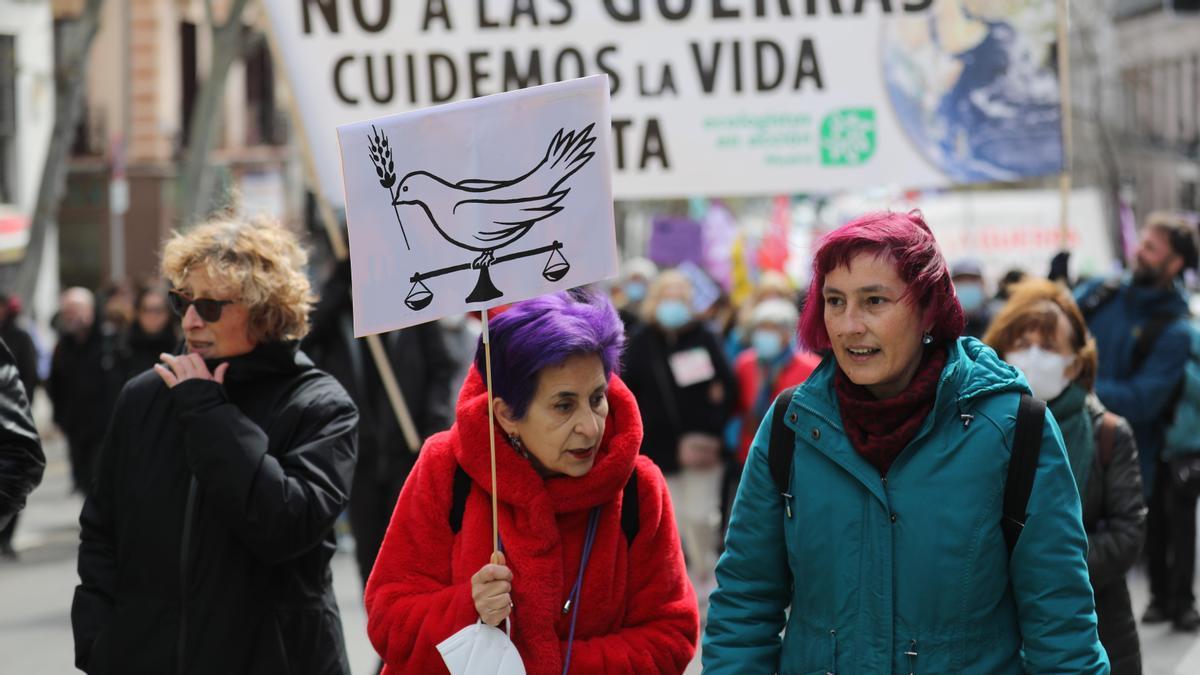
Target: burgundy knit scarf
879 429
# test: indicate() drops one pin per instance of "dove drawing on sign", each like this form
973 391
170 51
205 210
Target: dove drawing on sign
485 215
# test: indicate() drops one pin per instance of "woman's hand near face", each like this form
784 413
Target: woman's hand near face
187 367
491 589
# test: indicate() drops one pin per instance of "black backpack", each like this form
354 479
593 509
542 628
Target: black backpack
629 504
1027 445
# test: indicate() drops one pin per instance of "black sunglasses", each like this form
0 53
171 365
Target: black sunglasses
209 310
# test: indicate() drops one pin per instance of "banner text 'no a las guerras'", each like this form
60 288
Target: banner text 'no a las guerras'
710 97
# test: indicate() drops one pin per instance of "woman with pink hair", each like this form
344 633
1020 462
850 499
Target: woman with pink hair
877 516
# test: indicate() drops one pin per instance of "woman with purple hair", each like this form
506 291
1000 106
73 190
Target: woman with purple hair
591 575
877 516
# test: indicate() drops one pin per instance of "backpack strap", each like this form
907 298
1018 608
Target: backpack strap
1105 438
458 503
1099 297
780 449
1147 336
1022 465
630 516
630 513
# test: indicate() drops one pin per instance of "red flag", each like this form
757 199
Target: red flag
773 251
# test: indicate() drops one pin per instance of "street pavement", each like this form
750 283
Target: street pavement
36 591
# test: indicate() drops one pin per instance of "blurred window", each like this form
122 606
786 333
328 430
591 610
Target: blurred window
1195 104
187 77
1126 9
8 118
1129 100
261 122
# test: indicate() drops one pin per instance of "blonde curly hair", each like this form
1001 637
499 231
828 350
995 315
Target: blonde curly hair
261 261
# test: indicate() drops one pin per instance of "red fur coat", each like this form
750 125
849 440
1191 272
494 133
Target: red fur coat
637 613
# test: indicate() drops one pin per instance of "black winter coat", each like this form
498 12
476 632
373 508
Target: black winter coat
421 362
142 349
668 410
85 378
1114 515
21 460
206 545
20 343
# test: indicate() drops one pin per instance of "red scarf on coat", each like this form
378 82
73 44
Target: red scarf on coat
880 429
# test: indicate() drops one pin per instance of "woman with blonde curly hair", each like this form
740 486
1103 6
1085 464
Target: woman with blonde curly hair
206 542
1042 332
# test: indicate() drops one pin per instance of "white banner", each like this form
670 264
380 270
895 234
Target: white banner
1002 229
478 203
710 97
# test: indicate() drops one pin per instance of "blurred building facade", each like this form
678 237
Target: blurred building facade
1135 81
26 115
1135 86
148 63
1159 115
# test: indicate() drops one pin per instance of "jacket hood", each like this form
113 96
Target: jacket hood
973 370
520 485
266 360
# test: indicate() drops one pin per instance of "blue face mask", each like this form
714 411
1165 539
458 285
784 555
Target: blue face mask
970 296
635 291
767 344
672 314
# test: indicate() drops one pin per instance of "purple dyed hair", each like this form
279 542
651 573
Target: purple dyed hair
546 331
907 241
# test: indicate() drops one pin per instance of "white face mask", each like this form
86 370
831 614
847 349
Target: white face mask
1045 371
480 649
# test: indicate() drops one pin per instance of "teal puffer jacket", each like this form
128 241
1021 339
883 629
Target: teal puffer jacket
907 573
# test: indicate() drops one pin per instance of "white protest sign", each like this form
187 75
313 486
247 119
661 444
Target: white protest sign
478 203
710 97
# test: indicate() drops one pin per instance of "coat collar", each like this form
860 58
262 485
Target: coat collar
265 360
1144 301
520 486
972 371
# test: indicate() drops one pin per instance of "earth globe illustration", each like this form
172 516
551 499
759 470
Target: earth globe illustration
974 86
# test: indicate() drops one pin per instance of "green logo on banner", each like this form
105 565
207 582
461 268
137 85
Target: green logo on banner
848 137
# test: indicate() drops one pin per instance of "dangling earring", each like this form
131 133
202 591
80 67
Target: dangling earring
926 339
515 441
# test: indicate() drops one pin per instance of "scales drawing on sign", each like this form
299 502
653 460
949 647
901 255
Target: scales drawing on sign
479 203
486 215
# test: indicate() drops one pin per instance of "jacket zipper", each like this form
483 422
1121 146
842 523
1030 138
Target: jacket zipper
822 417
832 652
184 555
912 657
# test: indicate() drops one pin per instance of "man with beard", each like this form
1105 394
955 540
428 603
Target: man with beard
1140 323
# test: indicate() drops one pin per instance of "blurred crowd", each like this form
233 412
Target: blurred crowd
705 372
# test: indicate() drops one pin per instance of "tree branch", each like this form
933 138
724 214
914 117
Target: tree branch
69 84
235 13
195 177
